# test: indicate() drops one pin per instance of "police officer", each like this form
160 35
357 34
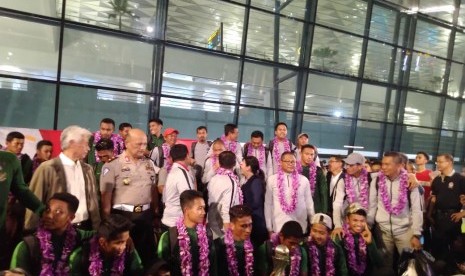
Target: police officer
127 186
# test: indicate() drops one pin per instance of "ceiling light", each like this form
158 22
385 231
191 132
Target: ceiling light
149 29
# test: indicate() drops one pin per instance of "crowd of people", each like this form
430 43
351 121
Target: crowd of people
137 203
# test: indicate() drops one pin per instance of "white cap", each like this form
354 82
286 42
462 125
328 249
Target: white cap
323 219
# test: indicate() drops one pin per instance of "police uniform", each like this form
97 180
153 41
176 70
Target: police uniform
131 187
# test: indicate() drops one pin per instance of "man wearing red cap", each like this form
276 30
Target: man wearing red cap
161 156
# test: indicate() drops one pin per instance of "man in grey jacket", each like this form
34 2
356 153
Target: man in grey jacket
395 209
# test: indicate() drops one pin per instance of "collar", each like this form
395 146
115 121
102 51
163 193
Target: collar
451 173
337 175
181 165
67 161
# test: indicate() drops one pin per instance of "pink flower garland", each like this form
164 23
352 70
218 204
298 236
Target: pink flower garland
166 154
356 265
184 249
364 189
295 255
229 145
276 153
260 157
231 255
118 144
96 261
288 208
330 258
48 257
403 190
223 171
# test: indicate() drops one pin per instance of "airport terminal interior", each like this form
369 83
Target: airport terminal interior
379 75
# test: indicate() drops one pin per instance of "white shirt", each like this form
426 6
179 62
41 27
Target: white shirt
200 154
271 163
274 215
176 183
76 185
256 154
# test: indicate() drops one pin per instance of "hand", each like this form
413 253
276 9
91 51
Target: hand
337 232
412 181
462 200
366 234
456 217
415 243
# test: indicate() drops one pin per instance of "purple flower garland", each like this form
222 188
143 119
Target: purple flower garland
118 143
356 265
231 255
295 256
96 261
364 189
330 258
260 157
223 171
403 193
184 249
48 257
288 208
229 145
312 177
166 154
276 154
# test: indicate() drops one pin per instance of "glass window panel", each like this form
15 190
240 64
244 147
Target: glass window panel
212 115
422 110
455 79
372 103
449 120
130 16
383 24
25 103
430 38
197 22
442 9
368 136
447 142
87 106
341 56
251 119
294 8
389 137
327 133
461 120
199 76
415 139
28 49
95 59
258 86
459 47
329 96
261 37
42 7
427 72
460 146
461 19
378 60
342 14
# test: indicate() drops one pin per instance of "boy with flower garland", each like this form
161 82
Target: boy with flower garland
48 250
256 148
212 163
223 193
277 147
357 242
287 196
290 236
355 188
109 252
235 250
398 217
315 176
188 247
324 256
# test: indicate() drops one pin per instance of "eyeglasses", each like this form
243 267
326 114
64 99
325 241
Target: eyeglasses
288 161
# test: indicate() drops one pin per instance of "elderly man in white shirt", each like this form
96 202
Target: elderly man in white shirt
288 196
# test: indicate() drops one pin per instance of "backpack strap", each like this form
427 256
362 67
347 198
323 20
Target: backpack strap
187 178
33 246
193 149
246 149
209 143
232 193
173 237
161 157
